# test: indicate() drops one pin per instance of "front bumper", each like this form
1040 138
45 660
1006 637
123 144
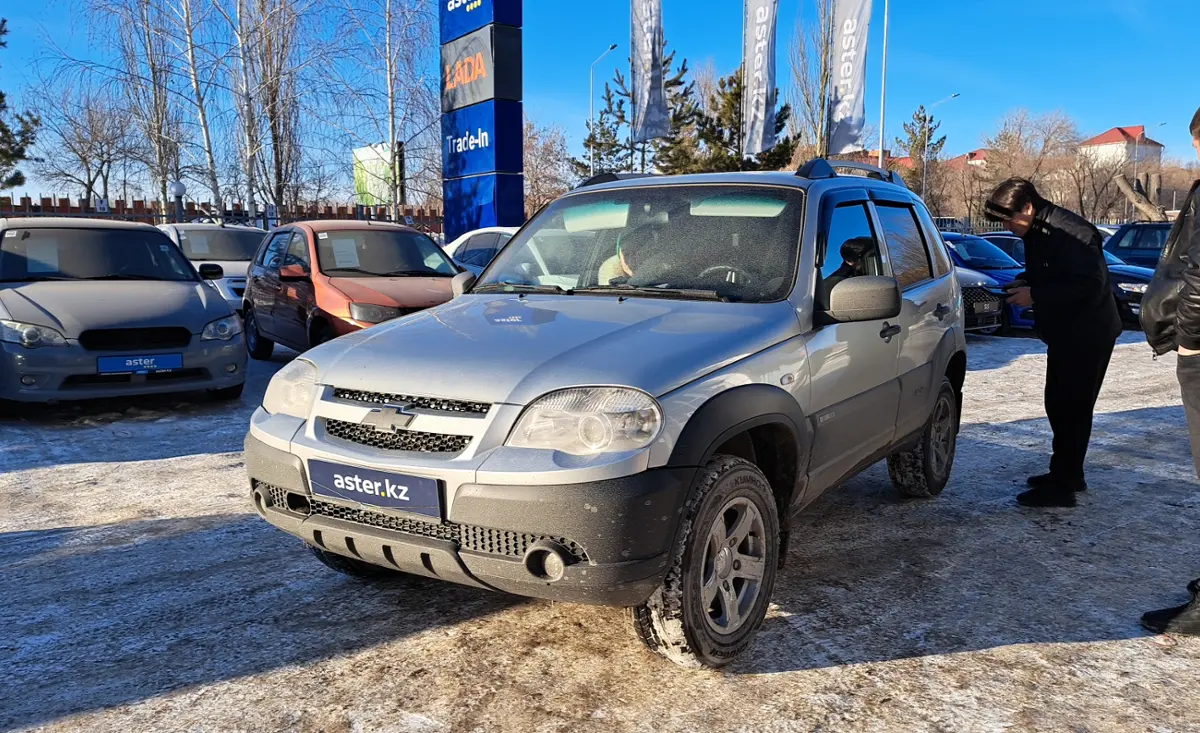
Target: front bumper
618 532
59 373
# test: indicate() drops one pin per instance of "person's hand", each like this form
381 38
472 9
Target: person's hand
1015 284
1020 296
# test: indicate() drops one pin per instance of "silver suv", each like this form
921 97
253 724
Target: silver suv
634 400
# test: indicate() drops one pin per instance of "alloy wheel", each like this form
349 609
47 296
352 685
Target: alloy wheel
734 563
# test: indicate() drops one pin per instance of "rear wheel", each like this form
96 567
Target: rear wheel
319 334
715 594
350 566
924 470
259 347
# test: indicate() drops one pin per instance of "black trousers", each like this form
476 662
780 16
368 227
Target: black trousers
1074 375
1188 371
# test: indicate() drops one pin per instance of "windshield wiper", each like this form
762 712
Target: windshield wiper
357 270
35 278
122 276
523 288
417 273
682 293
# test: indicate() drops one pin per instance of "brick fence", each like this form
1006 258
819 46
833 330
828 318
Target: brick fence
153 212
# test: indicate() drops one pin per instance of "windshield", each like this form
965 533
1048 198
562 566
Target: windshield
980 254
382 253
207 245
30 255
736 242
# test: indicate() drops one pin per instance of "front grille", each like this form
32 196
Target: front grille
434 404
466 536
971 296
406 440
135 339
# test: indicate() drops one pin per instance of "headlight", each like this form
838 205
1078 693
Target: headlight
30 336
372 313
292 390
222 329
1132 287
585 421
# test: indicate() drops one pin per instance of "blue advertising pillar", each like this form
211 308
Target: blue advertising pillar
482 122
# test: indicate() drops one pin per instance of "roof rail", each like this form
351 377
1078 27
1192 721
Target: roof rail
822 168
610 177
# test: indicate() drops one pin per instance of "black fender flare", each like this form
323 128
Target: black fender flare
735 411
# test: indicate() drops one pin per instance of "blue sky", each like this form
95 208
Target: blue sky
1103 62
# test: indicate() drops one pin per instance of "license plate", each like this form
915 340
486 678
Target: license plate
376 488
987 307
139 364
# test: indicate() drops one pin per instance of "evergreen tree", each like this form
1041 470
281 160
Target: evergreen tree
721 133
919 136
608 140
14 144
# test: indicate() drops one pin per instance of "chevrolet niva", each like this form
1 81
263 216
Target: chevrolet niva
634 399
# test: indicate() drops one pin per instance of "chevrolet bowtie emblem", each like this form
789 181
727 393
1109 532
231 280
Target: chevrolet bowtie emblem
389 418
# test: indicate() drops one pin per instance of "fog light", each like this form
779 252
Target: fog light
28 380
231 368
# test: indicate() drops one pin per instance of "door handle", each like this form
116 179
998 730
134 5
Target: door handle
887 332
941 311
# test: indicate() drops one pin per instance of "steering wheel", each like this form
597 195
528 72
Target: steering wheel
731 274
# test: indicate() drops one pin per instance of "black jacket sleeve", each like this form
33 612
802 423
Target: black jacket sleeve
1187 311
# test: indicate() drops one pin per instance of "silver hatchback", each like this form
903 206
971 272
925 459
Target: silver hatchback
634 400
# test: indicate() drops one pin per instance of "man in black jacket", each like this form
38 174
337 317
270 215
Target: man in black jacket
1075 313
1171 320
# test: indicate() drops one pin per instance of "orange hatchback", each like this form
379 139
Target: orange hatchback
313 281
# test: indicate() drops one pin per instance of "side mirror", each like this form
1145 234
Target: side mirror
865 298
461 283
211 272
293 272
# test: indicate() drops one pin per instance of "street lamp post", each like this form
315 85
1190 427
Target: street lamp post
177 191
925 149
592 107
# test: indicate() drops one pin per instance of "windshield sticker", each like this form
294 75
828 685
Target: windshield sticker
41 257
198 245
164 248
10 233
345 253
323 235
738 205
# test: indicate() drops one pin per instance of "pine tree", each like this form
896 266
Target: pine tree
14 144
608 140
919 136
720 133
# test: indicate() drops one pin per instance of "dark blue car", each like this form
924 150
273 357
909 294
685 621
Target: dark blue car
979 254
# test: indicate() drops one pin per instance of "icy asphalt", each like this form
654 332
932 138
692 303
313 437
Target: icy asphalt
138 591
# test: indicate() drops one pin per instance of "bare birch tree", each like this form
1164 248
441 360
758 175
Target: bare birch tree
190 24
812 71
85 138
548 172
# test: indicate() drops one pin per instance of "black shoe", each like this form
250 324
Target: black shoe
1047 480
1047 497
1183 619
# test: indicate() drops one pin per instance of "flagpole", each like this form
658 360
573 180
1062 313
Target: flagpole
883 85
741 144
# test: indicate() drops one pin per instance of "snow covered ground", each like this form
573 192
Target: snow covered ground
138 591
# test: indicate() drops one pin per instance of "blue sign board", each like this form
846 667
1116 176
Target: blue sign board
482 138
490 200
460 17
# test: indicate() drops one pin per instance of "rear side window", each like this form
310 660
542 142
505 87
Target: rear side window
1125 241
938 254
906 246
1154 238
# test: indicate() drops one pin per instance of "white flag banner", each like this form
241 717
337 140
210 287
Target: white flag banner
758 64
650 118
851 20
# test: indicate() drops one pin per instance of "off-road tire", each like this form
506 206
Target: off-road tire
673 622
350 566
227 394
319 334
919 472
258 346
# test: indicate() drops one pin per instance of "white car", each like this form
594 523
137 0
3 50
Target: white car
474 250
231 247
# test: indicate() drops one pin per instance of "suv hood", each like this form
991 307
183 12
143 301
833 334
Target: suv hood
72 307
502 348
969 278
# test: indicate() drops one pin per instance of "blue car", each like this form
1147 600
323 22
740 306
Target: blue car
979 254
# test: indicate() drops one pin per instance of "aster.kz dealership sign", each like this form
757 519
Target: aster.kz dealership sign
482 117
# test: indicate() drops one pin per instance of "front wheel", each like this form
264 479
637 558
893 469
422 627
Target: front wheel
260 348
924 470
715 594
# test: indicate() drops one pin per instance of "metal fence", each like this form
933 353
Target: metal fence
966 225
